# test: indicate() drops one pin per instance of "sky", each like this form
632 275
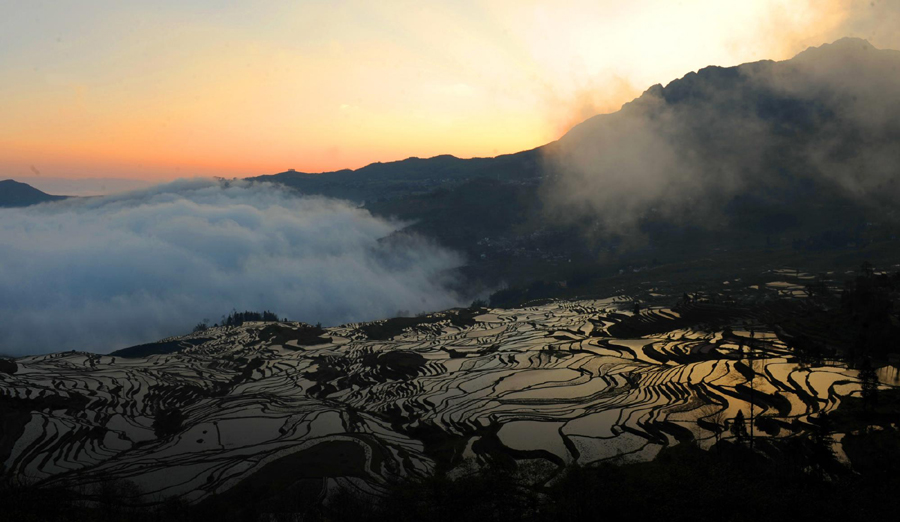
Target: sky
171 89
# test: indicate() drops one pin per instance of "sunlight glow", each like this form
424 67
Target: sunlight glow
166 89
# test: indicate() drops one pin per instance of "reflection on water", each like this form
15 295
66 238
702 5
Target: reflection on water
548 381
889 375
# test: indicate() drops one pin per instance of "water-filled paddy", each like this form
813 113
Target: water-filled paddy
545 382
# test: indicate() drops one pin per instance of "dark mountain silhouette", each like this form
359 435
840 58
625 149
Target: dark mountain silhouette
399 178
15 194
839 96
795 154
820 129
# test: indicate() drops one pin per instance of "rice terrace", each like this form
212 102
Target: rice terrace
365 406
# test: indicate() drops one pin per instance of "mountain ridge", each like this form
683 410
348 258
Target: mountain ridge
798 152
16 194
845 47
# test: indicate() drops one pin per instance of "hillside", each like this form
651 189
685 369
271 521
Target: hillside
284 416
816 133
15 194
233 402
797 156
380 181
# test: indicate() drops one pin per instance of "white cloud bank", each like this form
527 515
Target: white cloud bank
102 273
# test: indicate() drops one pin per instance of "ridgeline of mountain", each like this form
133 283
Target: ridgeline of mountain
794 156
820 128
15 194
399 178
771 91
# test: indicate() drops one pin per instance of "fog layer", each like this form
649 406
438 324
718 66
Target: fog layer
102 273
821 125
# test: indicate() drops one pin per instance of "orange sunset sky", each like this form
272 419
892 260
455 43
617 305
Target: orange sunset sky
164 89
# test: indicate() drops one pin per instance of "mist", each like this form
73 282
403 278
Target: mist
825 122
97 274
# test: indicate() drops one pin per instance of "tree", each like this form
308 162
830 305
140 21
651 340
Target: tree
822 454
868 381
712 418
738 427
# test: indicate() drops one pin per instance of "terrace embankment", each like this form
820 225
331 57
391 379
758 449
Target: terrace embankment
557 384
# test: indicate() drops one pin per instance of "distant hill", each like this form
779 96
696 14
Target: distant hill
15 194
84 187
394 179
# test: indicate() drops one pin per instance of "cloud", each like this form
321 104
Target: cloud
825 120
874 20
102 273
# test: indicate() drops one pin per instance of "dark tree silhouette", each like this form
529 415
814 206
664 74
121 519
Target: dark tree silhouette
738 427
236 318
868 380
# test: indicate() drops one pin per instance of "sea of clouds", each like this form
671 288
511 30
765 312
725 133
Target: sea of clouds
102 273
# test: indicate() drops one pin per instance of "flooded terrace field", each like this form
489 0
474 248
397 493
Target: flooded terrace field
366 404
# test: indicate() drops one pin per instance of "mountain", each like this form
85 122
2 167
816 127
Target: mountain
84 187
794 156
845 91
819 128
15 194
380 181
